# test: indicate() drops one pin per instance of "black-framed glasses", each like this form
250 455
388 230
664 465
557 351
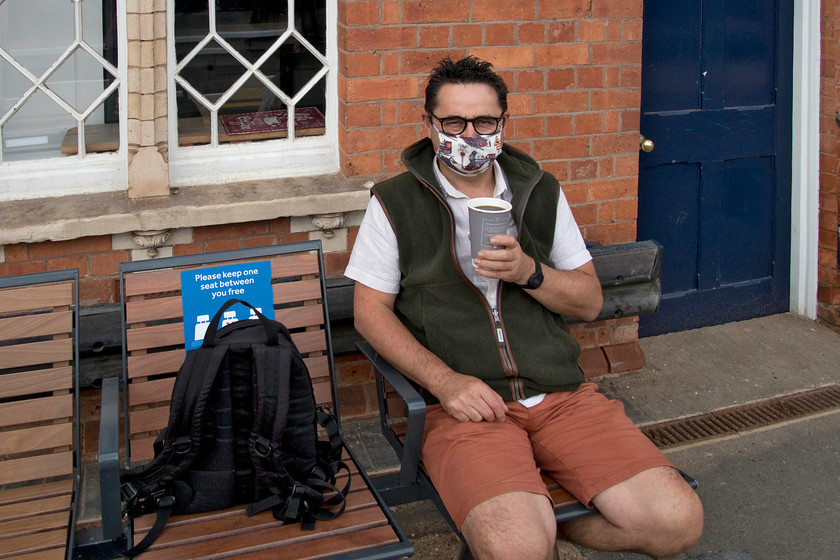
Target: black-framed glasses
457 125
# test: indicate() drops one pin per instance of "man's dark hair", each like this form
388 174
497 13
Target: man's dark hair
469 70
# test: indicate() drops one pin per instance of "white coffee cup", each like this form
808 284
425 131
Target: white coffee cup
488 217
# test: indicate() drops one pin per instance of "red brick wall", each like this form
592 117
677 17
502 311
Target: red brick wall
98 260
829 276
574 70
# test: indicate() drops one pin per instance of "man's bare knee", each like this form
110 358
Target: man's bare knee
514 525
655 513
676 530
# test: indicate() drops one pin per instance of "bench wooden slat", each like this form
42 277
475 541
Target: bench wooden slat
36 382
157 363
33 524
300 290
36 410
148 419
318 366
142 450
39 545
36 467
35 507
163 308
27 493
40 438
36 353
30 326
169 280
153 309
55 553
322 392
36 297
300 317
310 341
347 543
157 391
170 334
216 536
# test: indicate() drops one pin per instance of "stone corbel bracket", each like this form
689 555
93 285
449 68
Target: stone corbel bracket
151 240
328 222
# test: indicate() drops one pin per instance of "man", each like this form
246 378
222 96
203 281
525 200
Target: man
486 343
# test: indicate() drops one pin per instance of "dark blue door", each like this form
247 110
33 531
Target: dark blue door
715 190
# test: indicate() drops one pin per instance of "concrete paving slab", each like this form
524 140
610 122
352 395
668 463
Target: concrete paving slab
707 369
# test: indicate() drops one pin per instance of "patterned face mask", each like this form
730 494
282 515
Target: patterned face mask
469 156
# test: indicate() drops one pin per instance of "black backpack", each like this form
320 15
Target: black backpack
242 430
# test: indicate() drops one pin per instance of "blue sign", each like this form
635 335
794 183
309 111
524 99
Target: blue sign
205 290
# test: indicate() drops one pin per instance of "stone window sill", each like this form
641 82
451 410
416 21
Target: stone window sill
72 217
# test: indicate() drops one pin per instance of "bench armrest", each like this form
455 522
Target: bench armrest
109 460
408 450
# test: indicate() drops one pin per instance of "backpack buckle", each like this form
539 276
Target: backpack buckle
128 492
262 447
182 445
165 501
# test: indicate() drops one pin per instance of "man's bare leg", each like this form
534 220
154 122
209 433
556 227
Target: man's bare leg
654 512
513 525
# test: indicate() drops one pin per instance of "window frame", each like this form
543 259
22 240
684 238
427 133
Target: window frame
266 159
77 174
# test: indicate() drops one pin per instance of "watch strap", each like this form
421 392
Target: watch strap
536 279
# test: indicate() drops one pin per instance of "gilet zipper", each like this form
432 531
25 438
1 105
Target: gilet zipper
508 363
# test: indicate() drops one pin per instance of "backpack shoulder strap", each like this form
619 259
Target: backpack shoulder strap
271 381
300 499
146 489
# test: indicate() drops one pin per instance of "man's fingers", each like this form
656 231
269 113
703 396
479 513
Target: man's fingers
498 408
472 400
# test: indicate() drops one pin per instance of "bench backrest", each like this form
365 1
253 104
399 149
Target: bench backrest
153 331
38 401
39 449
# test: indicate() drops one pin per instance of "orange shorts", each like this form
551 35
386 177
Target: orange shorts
581 439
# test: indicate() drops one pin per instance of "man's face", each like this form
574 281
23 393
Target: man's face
463 100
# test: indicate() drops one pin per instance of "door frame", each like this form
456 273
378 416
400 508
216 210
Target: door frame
805 158
805 161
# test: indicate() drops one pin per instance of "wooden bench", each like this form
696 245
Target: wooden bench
153 339
39 456
630 276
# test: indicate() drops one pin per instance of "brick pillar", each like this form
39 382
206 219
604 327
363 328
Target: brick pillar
148 148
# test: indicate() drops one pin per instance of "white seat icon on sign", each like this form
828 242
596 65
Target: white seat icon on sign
202 321
229 317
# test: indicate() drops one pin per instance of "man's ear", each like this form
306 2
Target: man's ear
427 123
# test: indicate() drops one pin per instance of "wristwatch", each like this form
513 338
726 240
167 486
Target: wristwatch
536 280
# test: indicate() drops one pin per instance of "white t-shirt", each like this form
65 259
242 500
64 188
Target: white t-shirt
374 261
